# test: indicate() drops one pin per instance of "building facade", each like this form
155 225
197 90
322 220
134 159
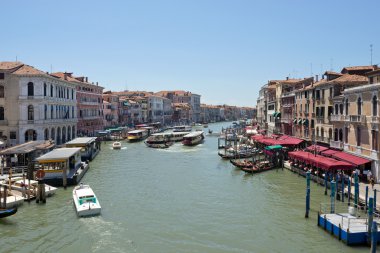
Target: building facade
35 105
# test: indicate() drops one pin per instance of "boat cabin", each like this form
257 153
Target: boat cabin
90 147
137 135
182 129
62 166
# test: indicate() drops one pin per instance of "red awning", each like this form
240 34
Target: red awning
329 152
316 148
289 140
352 159
275 136
257 137
318 161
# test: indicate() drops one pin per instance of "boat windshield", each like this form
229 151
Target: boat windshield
87 199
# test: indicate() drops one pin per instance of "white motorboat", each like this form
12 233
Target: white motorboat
116 145
85 201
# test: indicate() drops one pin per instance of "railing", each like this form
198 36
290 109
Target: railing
373 119
337 117
358 118
336 144
288 94
322 139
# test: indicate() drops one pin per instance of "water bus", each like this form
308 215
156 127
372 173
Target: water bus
137 135
193 138
90 147
182 129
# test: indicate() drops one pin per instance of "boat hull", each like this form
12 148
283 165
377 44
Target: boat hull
7 212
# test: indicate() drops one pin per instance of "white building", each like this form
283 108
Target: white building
35 105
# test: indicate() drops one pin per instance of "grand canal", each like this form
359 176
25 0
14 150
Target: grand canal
183 199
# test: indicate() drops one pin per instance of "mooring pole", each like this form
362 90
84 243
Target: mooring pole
366 197
356 182
332 195
307 194
370 220
342 188
374 199
374 237
326 175
349 191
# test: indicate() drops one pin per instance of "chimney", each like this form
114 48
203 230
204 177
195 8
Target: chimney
86 79
316 78
97 84
287 78
65 76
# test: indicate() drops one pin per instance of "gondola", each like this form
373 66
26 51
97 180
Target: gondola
5 212
258 168
234 156
241 164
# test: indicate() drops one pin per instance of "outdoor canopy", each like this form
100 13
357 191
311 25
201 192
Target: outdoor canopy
316 148
274 147
352 159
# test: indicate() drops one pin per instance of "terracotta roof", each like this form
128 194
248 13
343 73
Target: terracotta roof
369 68
333 73
61 75
349 80
6 65
375 72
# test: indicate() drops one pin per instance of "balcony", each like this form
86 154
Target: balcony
373 119
320 119
357 118
288 94
336 144
322 139
337 117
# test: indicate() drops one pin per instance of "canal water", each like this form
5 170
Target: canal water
182 199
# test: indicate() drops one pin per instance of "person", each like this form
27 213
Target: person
369 175
372 181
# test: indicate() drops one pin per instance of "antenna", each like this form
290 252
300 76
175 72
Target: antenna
311 69
51 68
331 64
370 48
16 58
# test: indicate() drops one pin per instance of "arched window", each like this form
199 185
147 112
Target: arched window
346 134
45 89
322 133
30 112
330 133
51 112
336 134
30 89
341 109
359 106
45 111
341 134
374 106
317 131
72 94
358 136
46 134
346 106
51 90
73 132
1 113
67 93
72 112
1 91
52 136
336 109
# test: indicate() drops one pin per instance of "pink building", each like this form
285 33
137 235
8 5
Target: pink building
89 104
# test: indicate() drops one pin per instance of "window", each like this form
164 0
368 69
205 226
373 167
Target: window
45 89
1 113
30 89
346 134
375 140
30 112
358 136
341 109
346 106
51 112
374 106
12 135
45 112
2 76
72 94
336 109
1 91
51 90
359 106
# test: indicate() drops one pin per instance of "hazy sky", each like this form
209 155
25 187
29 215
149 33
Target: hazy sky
223 50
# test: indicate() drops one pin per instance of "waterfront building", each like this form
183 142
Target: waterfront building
356 123
35 105
261 107
89 104
110 109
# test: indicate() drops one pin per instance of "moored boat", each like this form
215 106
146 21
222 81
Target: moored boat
137 135
259 167
5 212
193 138
116 145
241 164
159 140
85 201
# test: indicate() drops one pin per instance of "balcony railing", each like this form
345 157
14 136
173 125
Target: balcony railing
337 117
373 119
357 118
322 139
336 144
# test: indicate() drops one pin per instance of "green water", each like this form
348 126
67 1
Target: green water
183 199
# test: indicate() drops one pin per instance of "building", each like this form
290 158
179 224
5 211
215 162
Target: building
89 104
110 109
35 105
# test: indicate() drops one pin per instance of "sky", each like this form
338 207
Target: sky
223 50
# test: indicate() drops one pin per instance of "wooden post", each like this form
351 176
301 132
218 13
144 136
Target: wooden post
307 194
349 191
5 196
366 197
326 178
370 220
332 195
374 199
64 177
342 188
356 197
374 237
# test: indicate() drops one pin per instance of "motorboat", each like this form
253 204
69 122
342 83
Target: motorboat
116 145
193 138
159 140
85 201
